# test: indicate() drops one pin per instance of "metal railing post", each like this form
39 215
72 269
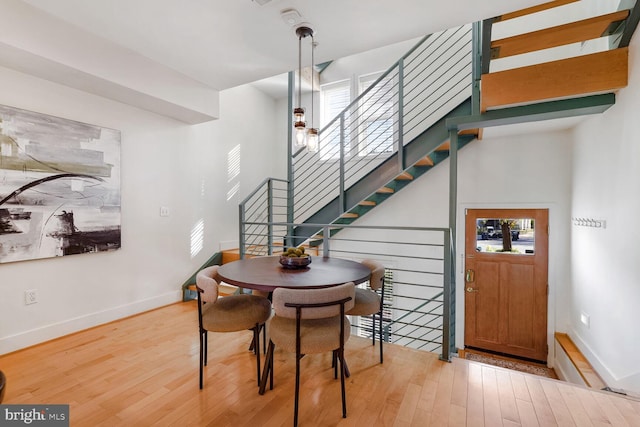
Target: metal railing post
325 241
270 217
290 177
241 230
476 66
401 162
342 185
448 321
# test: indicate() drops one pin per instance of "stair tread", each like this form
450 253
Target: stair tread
367 203
443 147
534 9
573 32
586 371
578 76
385 190
404 176
349 215
425 161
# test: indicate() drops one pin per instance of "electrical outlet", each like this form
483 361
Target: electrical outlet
164 211
30 296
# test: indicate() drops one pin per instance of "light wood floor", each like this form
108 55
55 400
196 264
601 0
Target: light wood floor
143 371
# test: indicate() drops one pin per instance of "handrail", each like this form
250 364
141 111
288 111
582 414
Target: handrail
367 90
415 260
425 84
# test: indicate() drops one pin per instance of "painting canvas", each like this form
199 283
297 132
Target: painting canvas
59 186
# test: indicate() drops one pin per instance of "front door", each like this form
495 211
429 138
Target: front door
506 288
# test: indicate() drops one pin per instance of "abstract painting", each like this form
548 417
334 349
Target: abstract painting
59 186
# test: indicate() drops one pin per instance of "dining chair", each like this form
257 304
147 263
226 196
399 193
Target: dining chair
227 314
369 302
309 321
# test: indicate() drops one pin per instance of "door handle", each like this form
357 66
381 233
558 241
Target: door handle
470 276
470 289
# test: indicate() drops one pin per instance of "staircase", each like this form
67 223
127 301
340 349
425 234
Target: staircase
437 97
399 128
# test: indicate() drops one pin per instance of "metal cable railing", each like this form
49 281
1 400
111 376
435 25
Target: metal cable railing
416 261
419 89
266 205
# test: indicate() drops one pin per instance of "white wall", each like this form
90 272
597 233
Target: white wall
521 171
164 163
605 284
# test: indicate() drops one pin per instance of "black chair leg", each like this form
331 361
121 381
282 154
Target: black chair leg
268 369
342 375
201 358
295 409
256 338
380 339
264 338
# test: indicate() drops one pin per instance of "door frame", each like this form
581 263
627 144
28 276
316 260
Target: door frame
551 269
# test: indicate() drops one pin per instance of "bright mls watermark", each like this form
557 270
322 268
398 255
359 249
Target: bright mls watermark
34 415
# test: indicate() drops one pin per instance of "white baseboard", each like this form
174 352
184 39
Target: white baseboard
48 332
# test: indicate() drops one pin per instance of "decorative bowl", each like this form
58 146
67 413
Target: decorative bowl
295 262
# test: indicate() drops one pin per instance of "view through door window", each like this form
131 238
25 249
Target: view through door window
499 235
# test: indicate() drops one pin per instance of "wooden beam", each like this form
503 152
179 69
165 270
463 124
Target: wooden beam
582 75
533 9
573 32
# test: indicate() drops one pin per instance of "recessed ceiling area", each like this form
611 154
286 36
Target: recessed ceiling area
173 56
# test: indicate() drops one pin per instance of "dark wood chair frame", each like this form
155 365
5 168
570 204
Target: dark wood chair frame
337 354
255 343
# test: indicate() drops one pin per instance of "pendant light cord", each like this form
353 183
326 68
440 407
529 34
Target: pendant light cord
313 47
300 71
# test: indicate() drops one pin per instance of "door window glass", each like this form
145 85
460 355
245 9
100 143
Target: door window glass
499 235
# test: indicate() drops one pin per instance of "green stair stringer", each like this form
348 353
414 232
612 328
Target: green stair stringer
188 294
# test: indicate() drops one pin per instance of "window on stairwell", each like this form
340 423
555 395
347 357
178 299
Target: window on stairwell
334 98
376 119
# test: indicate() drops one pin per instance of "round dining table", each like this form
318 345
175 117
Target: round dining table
266 273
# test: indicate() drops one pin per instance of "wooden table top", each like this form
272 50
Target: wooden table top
266 273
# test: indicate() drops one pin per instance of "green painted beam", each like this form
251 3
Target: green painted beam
573 107
630 26
216 259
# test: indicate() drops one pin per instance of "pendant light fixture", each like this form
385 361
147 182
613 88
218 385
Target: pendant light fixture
312 135
302 137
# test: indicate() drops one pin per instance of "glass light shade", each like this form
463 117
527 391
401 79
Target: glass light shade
312 140
300 134
298 114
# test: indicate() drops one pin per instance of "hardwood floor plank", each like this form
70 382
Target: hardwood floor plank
558 406
576 408
527 413
460 383
541 405
520 390
475 402
143 371
508 407
492 415
613 414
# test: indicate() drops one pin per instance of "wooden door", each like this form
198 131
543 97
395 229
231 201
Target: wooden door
506 292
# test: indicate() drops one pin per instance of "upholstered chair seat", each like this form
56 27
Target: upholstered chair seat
370 302
308 321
